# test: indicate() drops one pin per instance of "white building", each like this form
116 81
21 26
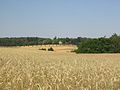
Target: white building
60 42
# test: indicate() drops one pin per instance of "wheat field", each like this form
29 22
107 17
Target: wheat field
27 68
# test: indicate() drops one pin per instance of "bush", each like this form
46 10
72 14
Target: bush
42 49
50 49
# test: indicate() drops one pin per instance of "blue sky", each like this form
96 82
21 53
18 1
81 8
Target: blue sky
62 18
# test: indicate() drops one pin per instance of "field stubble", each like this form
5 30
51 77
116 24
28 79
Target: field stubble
31 69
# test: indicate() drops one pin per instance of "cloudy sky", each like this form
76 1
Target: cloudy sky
62 18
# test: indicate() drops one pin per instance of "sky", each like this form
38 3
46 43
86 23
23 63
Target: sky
61 18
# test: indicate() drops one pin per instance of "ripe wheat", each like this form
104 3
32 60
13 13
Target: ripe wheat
24 69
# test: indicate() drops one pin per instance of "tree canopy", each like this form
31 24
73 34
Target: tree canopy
100 45
26 41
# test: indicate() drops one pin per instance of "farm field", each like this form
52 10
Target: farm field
57 48
27 68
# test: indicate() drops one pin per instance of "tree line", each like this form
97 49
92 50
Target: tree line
27 41
100 45
85 45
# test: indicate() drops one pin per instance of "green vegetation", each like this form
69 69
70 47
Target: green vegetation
26 41
100 45
85 45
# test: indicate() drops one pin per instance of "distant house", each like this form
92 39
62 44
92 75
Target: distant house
60 43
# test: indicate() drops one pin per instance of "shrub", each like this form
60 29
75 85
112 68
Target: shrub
50 49
42 49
